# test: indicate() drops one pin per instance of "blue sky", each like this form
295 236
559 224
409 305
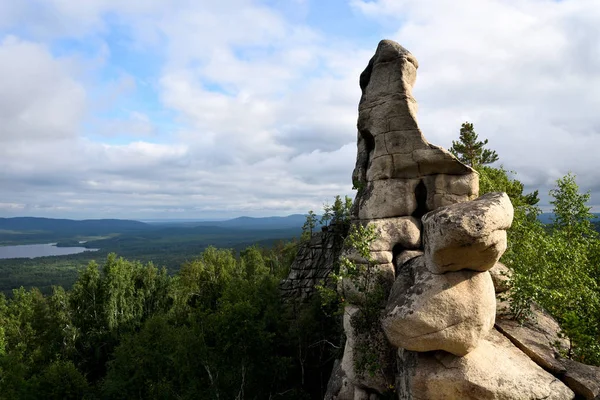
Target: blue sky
178 109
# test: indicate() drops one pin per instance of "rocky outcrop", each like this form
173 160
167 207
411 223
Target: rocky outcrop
537 337
436 261
493 370
400 177
583 379
540 339
314 262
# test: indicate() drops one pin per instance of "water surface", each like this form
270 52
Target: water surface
39 250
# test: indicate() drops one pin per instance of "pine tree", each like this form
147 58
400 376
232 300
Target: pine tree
309 225
471 151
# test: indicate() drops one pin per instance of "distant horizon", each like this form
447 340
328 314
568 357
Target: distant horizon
150 220
162 219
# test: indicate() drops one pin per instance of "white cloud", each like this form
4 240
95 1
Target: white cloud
38 98
265 108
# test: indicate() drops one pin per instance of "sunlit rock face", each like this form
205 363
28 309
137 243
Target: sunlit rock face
436 242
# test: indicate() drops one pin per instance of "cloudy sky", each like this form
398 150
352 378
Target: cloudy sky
213 109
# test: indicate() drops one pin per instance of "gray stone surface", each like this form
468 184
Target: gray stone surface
450 312
402 231
372 277
495 370
469 235
313 263
406 256
538 338
583 379
378 382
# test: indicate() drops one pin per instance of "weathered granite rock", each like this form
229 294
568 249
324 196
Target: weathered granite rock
336 383
387 198
402 231
494 370
377 257
376 277
379 381
397 171
450 312
406 256
501 275
314 262
469 235
583 379
441 309
444 190
538 338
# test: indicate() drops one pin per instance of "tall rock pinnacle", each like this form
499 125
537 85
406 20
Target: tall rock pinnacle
434 336
397 171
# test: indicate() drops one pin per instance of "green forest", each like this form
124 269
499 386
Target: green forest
216 329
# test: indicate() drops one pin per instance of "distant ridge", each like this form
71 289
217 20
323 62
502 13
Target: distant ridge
548 218
69 226
291 221
104 226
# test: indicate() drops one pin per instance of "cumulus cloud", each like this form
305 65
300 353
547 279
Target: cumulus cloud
245 110
38 99
259 125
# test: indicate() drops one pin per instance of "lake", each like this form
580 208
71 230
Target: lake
39 250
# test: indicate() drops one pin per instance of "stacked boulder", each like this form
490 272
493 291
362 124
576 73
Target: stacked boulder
436 243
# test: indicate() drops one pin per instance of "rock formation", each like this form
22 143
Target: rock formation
437 243
313 263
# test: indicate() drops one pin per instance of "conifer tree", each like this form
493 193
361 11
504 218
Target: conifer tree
471 151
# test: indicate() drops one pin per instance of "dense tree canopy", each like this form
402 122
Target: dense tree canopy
216 330
556 267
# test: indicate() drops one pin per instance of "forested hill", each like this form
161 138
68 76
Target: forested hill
68 226
291 221
103 226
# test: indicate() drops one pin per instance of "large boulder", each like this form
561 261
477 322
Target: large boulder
469 235
450 312
444 189
495 370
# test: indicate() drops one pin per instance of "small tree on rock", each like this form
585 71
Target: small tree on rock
571 213
471 151
309 225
